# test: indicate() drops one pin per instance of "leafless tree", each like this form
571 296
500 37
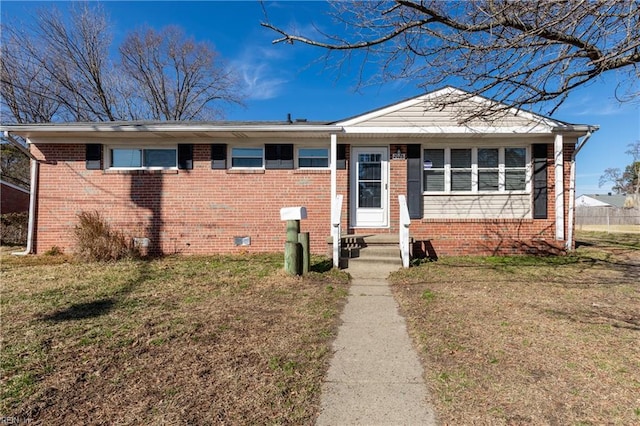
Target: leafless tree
27 91
76 55
178 77
61 69
523 53
627 181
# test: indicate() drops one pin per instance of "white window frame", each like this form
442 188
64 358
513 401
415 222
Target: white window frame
474 169
297 158
142 147
231 157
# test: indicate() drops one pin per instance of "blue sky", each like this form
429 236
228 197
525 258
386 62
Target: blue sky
282 78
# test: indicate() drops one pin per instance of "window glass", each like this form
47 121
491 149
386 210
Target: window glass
515 180
487 157
514 157
246 157
460 158
460 170
159 157
434 158
433 166
515 172
475 169
369 194
313 157
434 180
488 169
460 180
121 157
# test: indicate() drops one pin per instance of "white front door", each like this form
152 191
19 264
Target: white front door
369 187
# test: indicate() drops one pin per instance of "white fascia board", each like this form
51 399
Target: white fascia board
100 127
452 130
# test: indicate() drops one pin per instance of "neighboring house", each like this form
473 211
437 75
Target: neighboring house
14 199
608 212
473 186
601 200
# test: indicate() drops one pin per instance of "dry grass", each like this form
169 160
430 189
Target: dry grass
229 340
523 340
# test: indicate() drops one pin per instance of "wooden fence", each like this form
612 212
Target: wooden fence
587 215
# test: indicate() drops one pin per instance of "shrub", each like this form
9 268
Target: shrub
54 251
97 241
14 228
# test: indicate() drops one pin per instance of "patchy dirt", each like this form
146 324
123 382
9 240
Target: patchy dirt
522 340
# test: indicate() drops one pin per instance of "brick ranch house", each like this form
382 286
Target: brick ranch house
13 198
471 186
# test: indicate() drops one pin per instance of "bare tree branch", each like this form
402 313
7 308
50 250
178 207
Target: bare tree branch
179 77
60 69
523 53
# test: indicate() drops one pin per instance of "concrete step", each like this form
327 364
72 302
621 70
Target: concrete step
378 249
364 250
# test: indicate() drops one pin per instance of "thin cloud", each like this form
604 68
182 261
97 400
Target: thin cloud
261 77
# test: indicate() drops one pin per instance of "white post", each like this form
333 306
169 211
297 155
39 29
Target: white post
559 184
334 168
572 208
405 222
336 214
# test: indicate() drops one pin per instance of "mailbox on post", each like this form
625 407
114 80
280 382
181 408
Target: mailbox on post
296 248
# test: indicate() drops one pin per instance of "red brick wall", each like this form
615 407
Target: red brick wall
438 237
186 211
201 210
13 200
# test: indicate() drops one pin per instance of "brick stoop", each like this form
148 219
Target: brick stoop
370 249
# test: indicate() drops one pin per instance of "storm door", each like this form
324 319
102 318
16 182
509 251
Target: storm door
369 187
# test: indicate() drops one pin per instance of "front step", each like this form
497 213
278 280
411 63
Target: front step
380 248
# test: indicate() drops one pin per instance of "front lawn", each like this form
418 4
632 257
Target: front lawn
527 340
189 340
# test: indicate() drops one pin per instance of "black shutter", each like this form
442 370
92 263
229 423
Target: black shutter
185 156
278 156
539 181
219 156
93 156
341 160
415 200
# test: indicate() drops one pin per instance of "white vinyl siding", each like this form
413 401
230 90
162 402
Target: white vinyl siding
477 206
430 114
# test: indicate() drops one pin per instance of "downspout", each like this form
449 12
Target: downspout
32 193
572 188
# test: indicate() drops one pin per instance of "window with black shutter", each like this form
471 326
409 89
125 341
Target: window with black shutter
93 156
185 156
539 181
278 156
219 156
414 181
341 161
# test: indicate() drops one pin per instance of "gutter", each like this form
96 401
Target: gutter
32 193
572 186
166 127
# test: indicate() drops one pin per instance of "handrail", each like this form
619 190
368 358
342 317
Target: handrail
336 217
405 222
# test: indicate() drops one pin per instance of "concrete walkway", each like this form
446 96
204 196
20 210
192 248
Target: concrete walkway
375 377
